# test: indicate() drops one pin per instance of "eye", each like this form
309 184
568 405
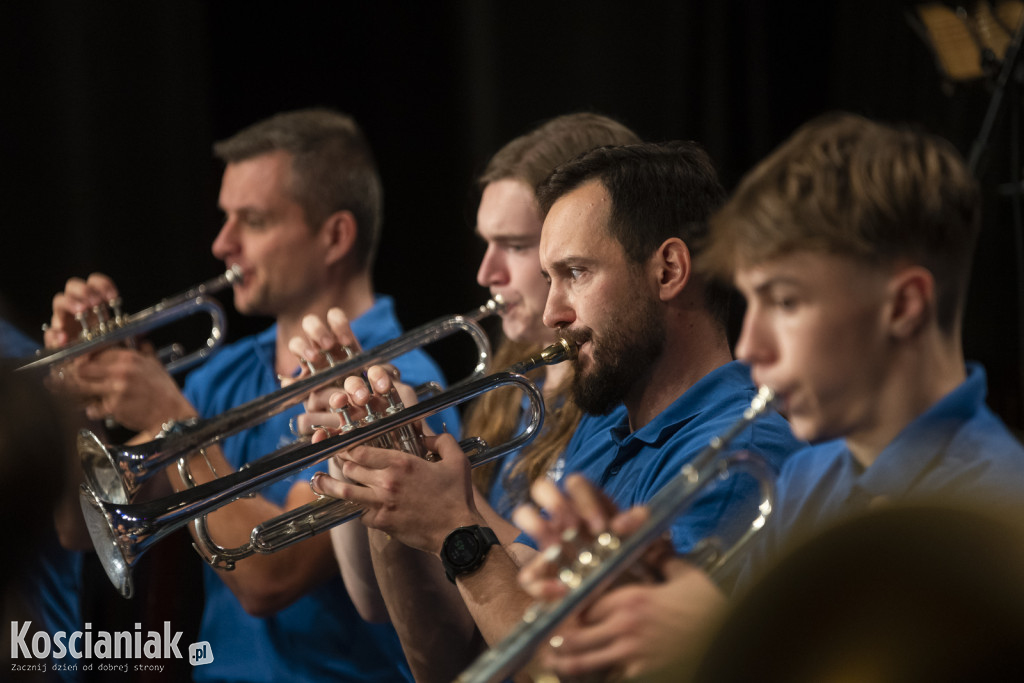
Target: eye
575 273
785 303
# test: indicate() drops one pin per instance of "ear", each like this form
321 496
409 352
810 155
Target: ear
670 268
338 236
912 298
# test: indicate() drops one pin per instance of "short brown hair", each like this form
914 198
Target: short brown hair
531 157
658 191
856 188
333 168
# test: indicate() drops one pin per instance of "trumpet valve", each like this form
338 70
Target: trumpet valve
102 313
346 419
83 323
394 402
116 305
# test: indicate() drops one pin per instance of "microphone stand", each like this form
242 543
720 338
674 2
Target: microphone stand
1015 188
980 145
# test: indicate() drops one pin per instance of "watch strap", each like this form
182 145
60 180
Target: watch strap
484 538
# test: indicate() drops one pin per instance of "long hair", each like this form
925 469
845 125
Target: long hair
495 417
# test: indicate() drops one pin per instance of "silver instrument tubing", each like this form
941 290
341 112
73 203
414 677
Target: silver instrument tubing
609 556
116 473
112 331
121 533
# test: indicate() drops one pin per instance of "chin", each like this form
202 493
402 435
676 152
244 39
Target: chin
512 331
804 429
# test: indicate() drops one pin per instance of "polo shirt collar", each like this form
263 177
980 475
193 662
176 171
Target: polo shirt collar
685 408
923 442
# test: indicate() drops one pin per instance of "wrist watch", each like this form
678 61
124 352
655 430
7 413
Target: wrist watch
465 548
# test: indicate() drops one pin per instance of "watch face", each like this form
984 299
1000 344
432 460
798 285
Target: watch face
462 548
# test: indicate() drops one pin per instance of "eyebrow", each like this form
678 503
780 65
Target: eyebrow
776 281
571 261
506 237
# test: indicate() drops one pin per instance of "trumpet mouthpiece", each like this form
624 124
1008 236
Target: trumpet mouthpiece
495 305
561 350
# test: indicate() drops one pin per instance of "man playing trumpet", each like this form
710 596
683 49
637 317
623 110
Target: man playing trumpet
436 626
302 202
620 238
852 244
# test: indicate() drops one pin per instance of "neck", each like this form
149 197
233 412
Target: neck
917 376
354 296
694 346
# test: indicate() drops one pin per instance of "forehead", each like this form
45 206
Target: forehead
814 271
577 226
508 208
256 181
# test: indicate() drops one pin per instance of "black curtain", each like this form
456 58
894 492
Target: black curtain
110 110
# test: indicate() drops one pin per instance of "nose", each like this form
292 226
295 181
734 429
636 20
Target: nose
226 242
493 270
754 346
557 310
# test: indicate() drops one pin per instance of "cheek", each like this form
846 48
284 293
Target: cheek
836 358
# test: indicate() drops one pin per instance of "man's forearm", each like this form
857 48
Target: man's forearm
437 632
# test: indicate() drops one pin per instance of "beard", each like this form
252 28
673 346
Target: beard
622 357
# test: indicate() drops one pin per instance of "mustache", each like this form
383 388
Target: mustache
576 337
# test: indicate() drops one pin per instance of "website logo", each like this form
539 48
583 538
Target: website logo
89 650
200 653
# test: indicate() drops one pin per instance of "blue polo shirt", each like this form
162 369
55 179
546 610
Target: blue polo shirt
958 448
632 466
501 497
320 636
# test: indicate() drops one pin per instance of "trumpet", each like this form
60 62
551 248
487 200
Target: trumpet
594 568
122 533
114 327
326 512
116 473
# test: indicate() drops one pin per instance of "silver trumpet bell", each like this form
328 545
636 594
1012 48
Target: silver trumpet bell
121 532
116 473
113 327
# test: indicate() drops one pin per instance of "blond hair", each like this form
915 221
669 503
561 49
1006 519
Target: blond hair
856 188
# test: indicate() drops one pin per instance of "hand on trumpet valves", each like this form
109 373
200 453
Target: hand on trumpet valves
571 522
82 306
638 631
648 624
415 501
324 342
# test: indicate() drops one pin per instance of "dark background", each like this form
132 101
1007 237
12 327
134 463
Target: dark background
110 108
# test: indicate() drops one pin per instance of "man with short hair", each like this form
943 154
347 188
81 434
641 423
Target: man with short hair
622 229
852 244
302 203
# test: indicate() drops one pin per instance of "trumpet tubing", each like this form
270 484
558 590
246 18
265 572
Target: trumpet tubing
116 473
325 512
121 533
592 569
114 328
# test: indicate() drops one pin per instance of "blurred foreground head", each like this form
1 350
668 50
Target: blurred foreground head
923 593
35 450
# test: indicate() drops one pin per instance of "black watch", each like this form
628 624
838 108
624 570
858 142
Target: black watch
465 548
